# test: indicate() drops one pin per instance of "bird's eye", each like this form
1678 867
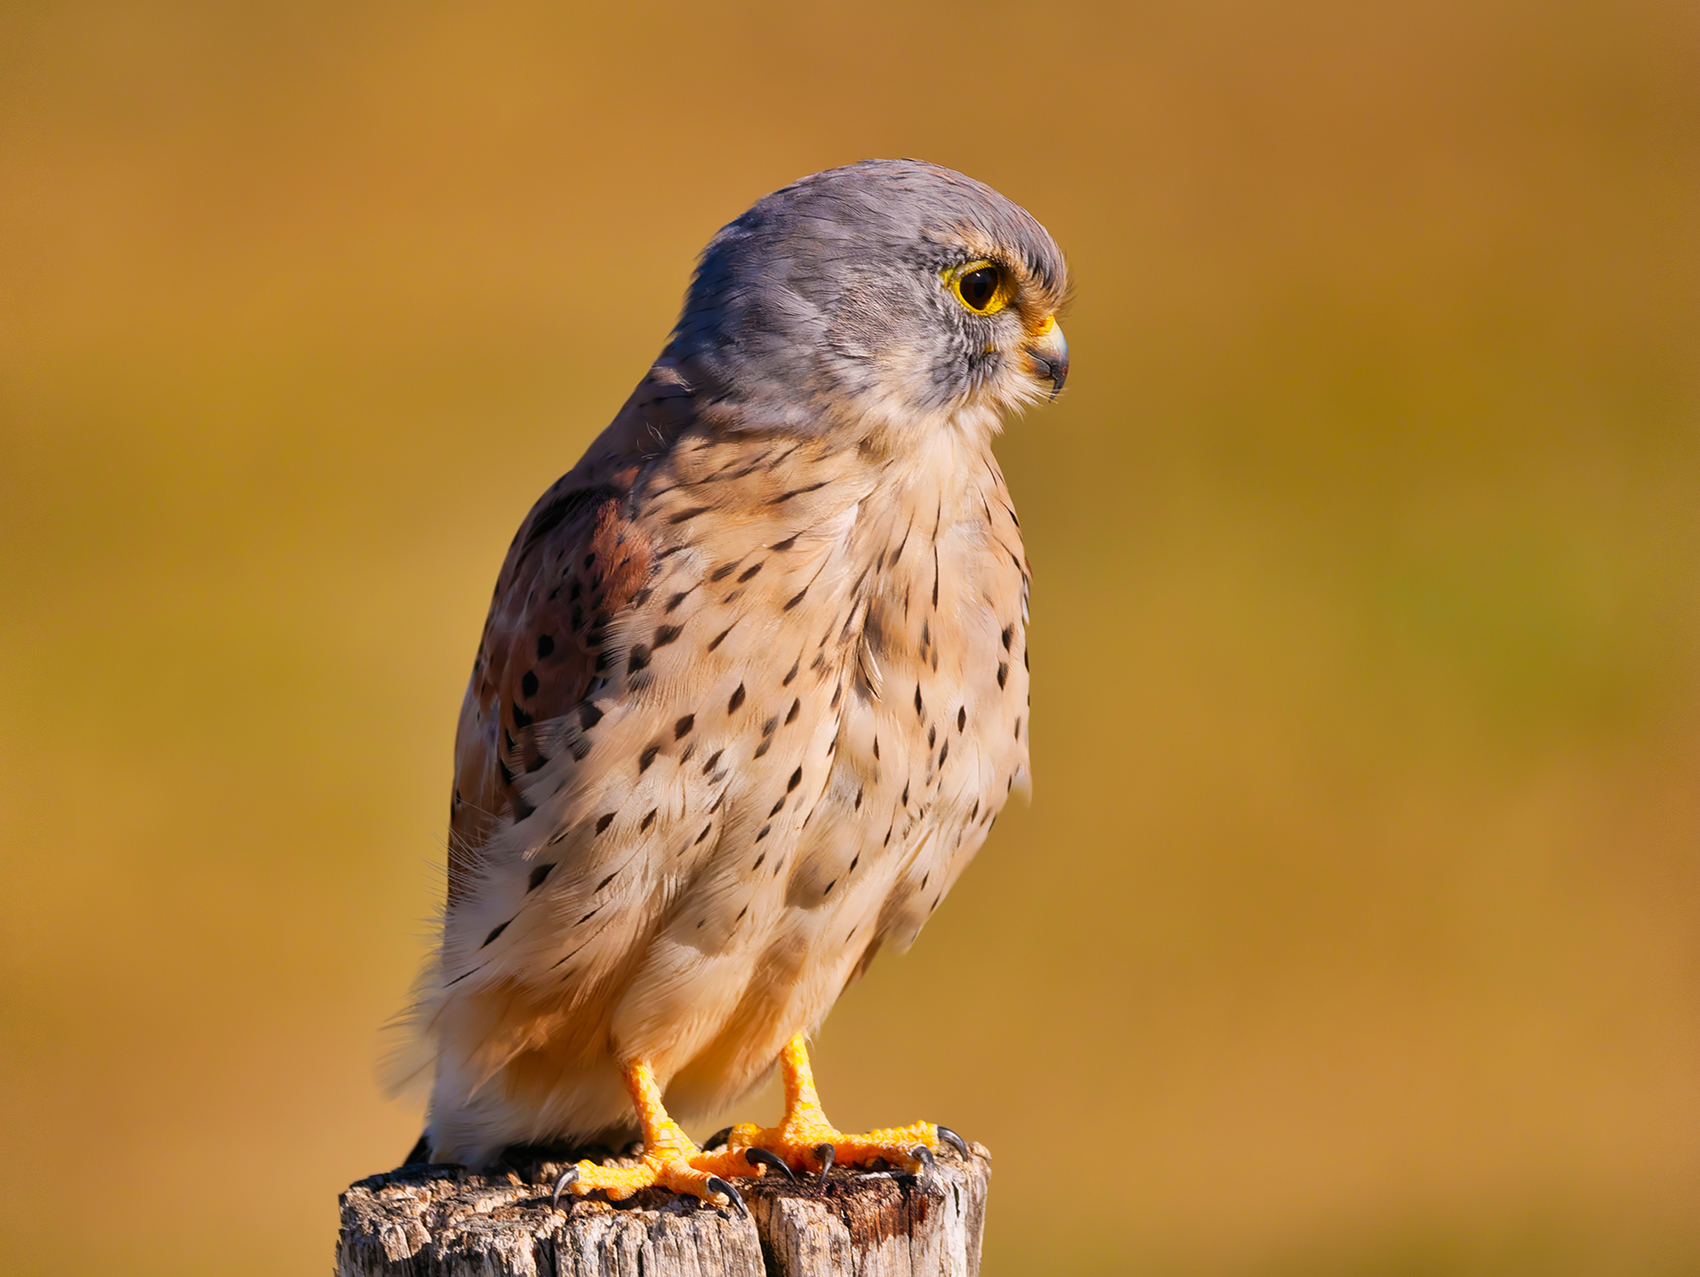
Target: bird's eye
983 287
978 287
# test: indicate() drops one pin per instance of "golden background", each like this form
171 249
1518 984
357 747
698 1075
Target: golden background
1355 925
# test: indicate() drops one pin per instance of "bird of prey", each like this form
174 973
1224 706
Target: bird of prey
752 689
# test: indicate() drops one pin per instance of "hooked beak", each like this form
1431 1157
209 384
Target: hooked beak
1049 356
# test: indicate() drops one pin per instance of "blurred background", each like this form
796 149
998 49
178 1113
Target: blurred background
1355 924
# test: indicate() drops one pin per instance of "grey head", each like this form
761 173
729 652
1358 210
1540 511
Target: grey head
890 291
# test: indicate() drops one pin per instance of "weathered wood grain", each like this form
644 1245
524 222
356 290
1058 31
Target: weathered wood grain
443 1221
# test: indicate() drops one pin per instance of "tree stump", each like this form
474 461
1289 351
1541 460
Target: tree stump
445 1221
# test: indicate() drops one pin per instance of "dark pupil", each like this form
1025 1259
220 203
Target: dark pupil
980 286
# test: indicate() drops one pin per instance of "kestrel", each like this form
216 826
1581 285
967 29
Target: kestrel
752 689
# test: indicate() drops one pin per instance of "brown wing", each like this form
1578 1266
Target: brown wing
575 563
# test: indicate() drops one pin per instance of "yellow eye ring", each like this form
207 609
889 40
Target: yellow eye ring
982 287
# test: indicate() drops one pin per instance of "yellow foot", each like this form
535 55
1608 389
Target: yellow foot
669 1158
808 1142
668 1163
804 1140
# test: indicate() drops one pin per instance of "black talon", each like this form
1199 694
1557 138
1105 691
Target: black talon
717 1139
924 1155
718 1185
765 1157
825 1152
568 1176
954 1140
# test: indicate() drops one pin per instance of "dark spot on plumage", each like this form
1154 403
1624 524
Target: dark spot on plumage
610 878
876 748
666 634
705 830
721 637
741 914
932 735
580 750
748 572
784 545
764 832
574 591
595 637
601 662
712 760
684 516
786 681
1025 663
647 757
1018 727
829 887
762 748
976 810
495 932
560 510
638 659
925 877
545 646
577 617
737 700
797 492
796 779
796 708
757 864
507 776
926 633
905 796
888 830
917 700
837 695
587 917
732 597
522 809
590 559
1003 672
1007 635
795 599
819 663
528 684
647 820
935 574
588 716
776 808
521 719
722 572
538 875
683 726
961 718
677 599
944 753
858 806
767 728
603 821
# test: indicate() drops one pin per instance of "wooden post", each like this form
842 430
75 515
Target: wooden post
443 1221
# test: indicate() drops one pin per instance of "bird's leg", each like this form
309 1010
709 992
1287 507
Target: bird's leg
805 1140
669 1158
